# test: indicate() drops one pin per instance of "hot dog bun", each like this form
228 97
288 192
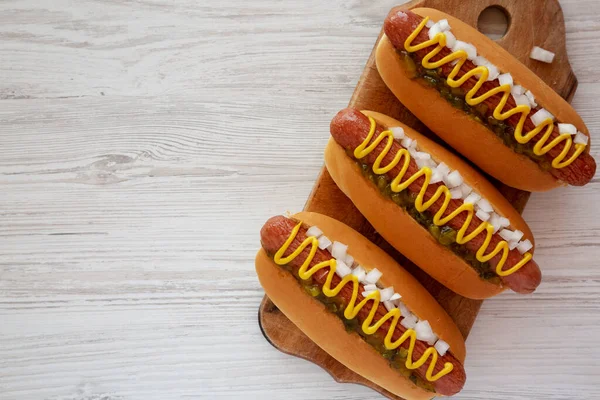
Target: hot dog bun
406 234
328 331
461 131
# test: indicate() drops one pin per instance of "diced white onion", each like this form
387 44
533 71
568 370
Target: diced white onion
454 179
443 168
505 79
314 231
366 293
581 138
420 155
435 30
387 293
338 250
466 190
324 242
567 128
396 296
441 347
493 221
429 23
424 332
444 25
349 260
540 116
531 98
455 193
431 163
450 39
421 162
504 222
433 340
517 90
537 53
467 47
406 142
506 234
480 60
485 205
359 273
493 73
436 176
482 215
404 309
423 329
389 305
513 245
517 235
398 132
342 269
409 322
373 276
370 287
472 198
524 246
446 182
521 100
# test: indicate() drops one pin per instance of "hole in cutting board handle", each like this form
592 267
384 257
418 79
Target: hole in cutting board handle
494 22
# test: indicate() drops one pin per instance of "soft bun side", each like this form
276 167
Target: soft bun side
328 331
414 295
408 237
471 177
473 140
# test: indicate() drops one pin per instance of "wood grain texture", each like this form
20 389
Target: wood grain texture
144 143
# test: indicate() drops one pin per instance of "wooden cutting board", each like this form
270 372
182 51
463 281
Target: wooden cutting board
531 22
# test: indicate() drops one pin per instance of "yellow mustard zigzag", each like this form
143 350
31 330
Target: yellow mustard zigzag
397 186
481 73
353 309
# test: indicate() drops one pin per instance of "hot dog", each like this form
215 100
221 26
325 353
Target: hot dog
431 206
483 101
312 266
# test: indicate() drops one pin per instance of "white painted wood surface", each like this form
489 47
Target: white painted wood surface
144 142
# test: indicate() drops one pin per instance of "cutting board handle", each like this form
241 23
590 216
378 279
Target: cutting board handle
530 23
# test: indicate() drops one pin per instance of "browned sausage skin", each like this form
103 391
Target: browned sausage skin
350 128
398 27
274 234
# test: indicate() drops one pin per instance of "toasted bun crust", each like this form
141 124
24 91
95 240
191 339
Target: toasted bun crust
326 329
474 140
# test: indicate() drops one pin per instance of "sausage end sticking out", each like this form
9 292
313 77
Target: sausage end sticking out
350 127
400 24
274 234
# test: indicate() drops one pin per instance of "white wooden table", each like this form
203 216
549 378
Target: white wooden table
142 145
